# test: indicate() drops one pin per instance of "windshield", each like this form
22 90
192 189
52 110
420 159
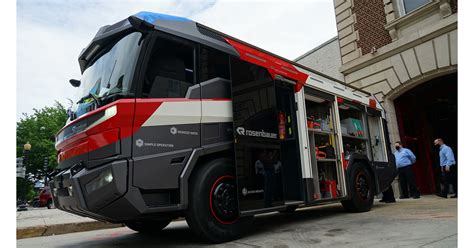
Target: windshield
110 74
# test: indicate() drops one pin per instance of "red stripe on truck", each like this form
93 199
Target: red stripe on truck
272 64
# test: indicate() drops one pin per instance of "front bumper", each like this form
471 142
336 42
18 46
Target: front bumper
117 201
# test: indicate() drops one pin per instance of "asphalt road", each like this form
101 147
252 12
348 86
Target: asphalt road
426 222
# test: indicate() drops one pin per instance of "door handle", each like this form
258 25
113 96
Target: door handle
177 160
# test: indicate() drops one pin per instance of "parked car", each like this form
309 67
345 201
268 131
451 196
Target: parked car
35 202
21 206
45 198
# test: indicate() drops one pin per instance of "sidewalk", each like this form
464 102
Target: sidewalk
44 222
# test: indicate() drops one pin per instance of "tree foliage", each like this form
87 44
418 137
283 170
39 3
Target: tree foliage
39 129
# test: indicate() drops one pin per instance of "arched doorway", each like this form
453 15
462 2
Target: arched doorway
424 113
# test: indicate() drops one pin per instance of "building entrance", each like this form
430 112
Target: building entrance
424 113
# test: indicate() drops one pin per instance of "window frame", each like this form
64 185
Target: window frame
401 7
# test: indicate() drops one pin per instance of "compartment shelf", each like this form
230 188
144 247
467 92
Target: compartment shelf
319 131
353 137
326 159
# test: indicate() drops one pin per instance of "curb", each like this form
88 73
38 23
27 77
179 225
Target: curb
38 231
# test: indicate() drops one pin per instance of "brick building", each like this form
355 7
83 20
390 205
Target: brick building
405 53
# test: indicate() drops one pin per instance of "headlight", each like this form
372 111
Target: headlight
103 179
69 190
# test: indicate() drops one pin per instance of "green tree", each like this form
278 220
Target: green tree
39 129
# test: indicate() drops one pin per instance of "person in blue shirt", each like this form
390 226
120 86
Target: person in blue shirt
448 168
405 159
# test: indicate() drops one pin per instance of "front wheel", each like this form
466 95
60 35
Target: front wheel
148 226
362 189
213 213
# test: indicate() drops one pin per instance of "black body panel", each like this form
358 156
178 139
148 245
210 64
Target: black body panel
166 138
160 170
214 133
215 88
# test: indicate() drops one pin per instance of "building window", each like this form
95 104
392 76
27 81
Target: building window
407 6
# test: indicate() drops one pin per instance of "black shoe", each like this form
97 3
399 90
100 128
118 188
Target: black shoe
404 197
454 196
390 201
441 195
416 197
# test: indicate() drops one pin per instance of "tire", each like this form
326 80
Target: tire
213 213
362 189
49 204
148 226
289 209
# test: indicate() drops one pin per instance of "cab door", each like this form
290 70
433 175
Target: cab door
382 159
260 125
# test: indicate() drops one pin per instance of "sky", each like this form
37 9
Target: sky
51 34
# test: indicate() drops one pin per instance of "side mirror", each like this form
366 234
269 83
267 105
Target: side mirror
75 82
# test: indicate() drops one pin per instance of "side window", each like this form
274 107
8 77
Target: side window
213 64
170 70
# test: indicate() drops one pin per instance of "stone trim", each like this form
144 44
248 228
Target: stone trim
443 26
393 23
407 65
347 35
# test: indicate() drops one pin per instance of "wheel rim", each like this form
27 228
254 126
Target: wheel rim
363 186
223 200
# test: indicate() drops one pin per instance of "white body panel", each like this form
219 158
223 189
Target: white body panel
303 135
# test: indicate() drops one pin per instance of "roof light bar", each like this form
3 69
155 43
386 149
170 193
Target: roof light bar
151 17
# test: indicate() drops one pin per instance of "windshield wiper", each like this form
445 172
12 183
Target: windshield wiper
115 96
90 95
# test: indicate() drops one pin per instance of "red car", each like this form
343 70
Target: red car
45 197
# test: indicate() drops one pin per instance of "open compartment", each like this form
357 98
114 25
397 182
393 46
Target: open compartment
353 129
323 144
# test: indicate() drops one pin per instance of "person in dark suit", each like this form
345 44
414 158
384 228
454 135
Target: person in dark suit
388 196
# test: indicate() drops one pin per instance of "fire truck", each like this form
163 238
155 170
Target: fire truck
175 119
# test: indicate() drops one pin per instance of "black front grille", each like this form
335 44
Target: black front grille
156 199
160 198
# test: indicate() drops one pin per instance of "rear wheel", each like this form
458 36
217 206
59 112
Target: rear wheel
148 226
362 189
213 209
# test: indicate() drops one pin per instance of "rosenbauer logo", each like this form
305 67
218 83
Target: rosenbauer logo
242 131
